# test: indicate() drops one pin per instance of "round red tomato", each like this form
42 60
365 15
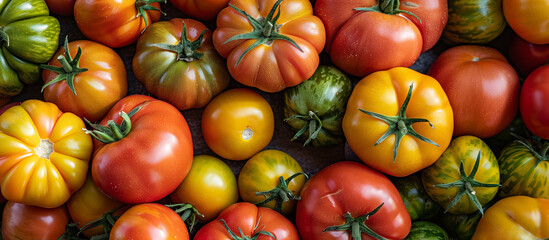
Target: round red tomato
200 9
346 196
90 84
482 87
115 23
149 221
534 102
246 220
527 56
61 7
20 221
151 159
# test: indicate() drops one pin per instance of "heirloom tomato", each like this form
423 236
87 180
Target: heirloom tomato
244 220
28 36
151 221
210 186
176 61
467 167
44 154
423 230
483 89
528 18
350 200
517 217
364 36
314 109
534 99
269 44
272 178
61 7
205 10
143 150
88 85
527 56
115 23
20 221
237 124
398 121
418 203
462 226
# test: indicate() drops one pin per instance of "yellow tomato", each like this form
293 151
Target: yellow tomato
237 124
44 154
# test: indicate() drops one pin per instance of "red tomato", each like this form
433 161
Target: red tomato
246 218
200 9
61 7
347 192
151 160
534 102
149 221
527 56
482 87
20 221
115 23
360 42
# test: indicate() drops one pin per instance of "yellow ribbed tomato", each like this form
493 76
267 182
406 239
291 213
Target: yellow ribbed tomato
44 154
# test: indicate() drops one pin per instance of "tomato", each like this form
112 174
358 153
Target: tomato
182 69
89 204
422 230
61 7
349 195
419 205
200 9
534 96
44 154
151 156
272 178
526 56
245 220
269 44
20 221
89 85
462 226
468 167
149 221
363 37
482 87
237 124
403 96
528 18
518 217
115 23
210 187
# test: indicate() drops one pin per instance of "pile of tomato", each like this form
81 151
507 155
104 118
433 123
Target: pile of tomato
274 119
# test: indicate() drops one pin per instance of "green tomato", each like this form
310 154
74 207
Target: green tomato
423 230
473 21
314 109
418 203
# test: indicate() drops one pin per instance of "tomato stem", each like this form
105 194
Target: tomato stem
357 225
313 125
185 49
280 194
144 5
242 236
114 132
391 7
541 155
187 212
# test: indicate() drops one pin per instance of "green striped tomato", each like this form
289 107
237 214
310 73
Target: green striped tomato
423 230
418 203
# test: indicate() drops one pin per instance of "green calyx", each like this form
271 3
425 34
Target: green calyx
314 125
185 49
144 5
244 237
466 185
4 38
187 212
280 193
70 67
391 7
265 30
107 220
400 125
113 132
541 154
357 225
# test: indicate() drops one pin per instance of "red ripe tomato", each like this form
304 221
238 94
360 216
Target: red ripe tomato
526 56
200 9
534 102
20 221
151 160
61 7
482 87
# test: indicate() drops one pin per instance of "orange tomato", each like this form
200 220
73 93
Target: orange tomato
528 18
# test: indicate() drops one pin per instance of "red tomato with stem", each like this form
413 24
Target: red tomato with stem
534 100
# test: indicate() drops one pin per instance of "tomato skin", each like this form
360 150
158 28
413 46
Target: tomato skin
230 117
112 23
526 56
61 7
483 89
246 216
210 187
528 18
517 217
97 89
20 221
355 188
157 166
200 9
149 221
417 202
534 96
384 92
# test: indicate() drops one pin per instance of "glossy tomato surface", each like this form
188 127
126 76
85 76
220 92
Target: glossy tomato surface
534 99
20 221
